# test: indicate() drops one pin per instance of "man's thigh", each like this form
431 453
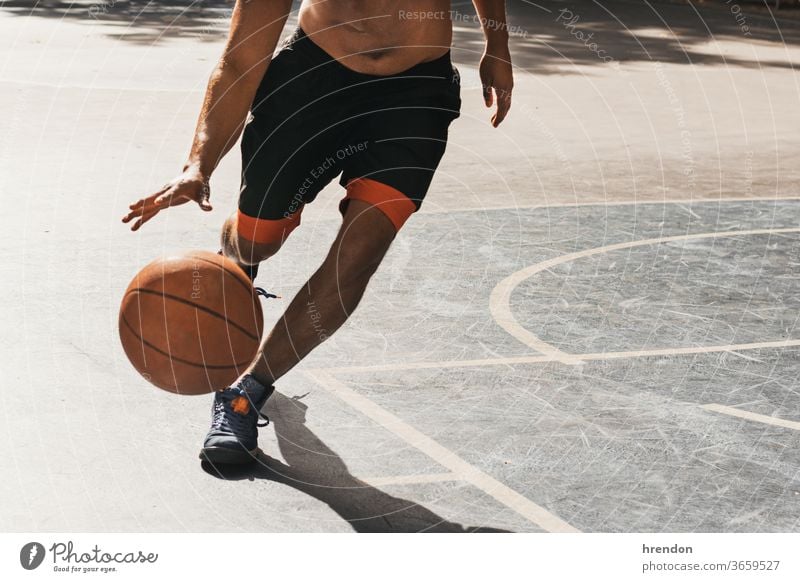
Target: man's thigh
288 148
401 138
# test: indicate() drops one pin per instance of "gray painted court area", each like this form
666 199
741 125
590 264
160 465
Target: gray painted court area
590 325
617 444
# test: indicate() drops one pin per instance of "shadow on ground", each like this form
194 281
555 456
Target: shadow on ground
547 36
139 21
313 468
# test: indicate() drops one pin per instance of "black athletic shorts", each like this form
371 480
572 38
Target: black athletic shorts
313 119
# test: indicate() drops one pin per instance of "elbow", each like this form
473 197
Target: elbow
237 70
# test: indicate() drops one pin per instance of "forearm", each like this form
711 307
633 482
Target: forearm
255 28
492 14
222 117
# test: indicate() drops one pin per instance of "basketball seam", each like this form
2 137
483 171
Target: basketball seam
196 306
248 287
176 358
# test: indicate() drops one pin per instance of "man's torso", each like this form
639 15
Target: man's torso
379 37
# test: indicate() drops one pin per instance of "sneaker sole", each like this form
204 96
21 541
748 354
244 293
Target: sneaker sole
226 456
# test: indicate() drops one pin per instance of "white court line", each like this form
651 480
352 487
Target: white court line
428 209
544 359
445 457
692 350
437 365
499 300
410 479
751 416
528 206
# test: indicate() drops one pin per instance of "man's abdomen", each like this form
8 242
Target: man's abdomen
379 37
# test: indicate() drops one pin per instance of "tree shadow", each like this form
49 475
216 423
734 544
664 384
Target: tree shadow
546 37
138 21
551 36
313 468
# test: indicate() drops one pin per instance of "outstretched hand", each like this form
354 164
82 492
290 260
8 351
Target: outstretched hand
189 186
497 79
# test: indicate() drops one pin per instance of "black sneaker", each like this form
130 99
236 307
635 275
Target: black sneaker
233 436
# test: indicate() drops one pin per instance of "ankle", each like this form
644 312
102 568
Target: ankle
254 387
260 378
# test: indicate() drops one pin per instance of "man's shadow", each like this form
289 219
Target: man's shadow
315 469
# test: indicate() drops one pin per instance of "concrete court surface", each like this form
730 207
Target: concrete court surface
591 324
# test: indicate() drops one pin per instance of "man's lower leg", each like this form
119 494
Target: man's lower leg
318 310
330 296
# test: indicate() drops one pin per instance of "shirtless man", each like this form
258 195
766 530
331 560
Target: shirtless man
363 90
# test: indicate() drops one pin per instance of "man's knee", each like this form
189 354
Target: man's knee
366 194
251 240
251 253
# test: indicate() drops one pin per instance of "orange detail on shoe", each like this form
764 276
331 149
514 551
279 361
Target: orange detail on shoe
240 405
394 204
262 230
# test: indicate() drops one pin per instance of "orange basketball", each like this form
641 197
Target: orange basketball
191 323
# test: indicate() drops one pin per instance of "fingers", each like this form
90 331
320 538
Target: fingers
138 205
497 80
204 196
144 218
501 96
142 205
142 215
503 106
488 99
132 214
147 208
171 195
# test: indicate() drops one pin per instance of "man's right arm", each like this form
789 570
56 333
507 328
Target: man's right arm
256 26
